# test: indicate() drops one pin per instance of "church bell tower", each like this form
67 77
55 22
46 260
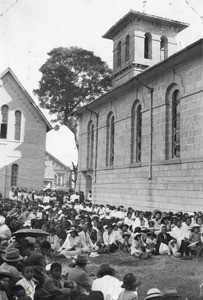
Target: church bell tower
140 41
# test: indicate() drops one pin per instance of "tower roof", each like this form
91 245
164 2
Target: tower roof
133 15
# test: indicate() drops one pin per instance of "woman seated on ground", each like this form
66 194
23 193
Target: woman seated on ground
138 247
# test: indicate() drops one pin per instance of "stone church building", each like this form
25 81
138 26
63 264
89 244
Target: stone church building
23 130
141 144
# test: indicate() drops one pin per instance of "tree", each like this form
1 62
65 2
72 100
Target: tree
71 78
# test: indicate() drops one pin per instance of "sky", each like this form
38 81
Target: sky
29 29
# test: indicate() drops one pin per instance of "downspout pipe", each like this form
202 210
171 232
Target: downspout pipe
96 147
151 127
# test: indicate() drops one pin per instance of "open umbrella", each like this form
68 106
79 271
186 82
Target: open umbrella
30 232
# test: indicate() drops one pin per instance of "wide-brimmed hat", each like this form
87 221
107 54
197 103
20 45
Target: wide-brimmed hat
72 229
164 218
153 293
12 255
137 234
170 292
156 211
105 268
81 258
130 281
196 226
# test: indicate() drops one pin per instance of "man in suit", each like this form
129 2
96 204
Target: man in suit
80 276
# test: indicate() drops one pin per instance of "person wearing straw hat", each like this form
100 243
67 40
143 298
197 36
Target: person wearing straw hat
130 285
11 260
72 245
79 275
153 294
106 283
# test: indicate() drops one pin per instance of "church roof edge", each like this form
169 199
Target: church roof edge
127 18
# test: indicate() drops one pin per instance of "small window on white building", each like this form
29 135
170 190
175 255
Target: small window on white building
17 125
163 48
14 175
4 122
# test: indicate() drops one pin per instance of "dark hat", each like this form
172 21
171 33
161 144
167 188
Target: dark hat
170 292
125 225
81 258
12 255
130 282
105 268
96 295
5 273
151 233
126 233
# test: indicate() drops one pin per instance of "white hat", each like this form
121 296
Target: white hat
153 293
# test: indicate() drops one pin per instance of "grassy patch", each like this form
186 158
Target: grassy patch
158 271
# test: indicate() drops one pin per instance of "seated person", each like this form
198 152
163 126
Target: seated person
55 284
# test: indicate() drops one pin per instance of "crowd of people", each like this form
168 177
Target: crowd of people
78 230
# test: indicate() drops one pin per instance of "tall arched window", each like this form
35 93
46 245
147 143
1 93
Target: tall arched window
90 145
136 132
176 124
127 48
110 139
148 45
14 175
119 54
163 48
4 122
17 125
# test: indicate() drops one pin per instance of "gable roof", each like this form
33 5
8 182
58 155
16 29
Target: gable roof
58 161
125 20
8 70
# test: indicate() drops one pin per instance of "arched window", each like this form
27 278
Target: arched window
176 124
4 122
17 125
148 45
163 48
136 132
90 145
127 48
119 54
110 139
14 175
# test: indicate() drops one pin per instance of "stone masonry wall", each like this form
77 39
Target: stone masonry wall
176 184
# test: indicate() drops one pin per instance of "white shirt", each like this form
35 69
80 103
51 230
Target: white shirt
109 286
110 238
